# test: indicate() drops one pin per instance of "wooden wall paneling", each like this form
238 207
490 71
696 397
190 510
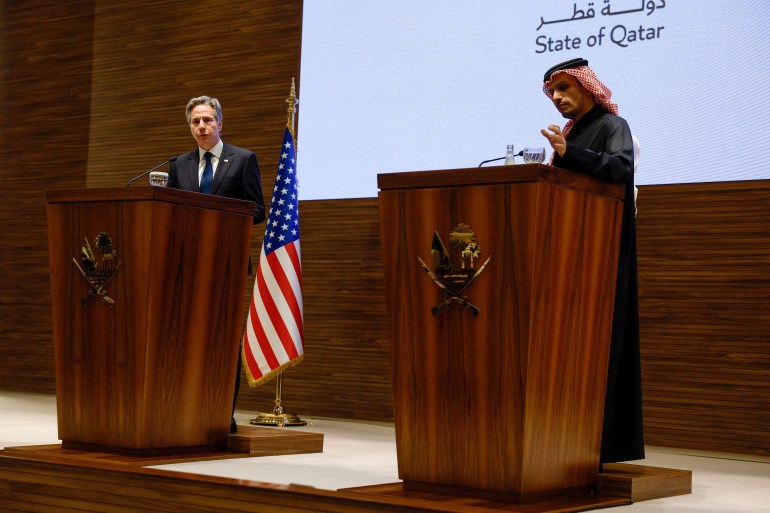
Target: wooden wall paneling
346 370
96 92
45 96
150 59
704 275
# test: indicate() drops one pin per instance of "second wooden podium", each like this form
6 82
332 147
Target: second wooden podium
499 386
147 286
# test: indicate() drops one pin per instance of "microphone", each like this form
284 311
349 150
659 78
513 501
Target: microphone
172 159
520 154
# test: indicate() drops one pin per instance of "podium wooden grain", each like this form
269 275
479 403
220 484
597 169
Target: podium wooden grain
508 403
154 372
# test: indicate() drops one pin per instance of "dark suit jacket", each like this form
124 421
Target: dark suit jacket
237 176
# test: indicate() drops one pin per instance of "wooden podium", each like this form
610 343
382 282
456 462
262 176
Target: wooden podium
146 328
506 404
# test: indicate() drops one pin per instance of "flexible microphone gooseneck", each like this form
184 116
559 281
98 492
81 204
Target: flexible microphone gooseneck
172 159
520 154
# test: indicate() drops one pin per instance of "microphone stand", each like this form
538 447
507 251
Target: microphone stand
490 160
172 159
520 154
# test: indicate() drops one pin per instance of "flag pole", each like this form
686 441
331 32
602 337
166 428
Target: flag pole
291 110
279 417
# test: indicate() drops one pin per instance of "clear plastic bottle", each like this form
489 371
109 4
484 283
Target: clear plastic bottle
509 157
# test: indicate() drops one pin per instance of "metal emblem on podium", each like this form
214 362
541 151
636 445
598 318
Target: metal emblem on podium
98 271
454 276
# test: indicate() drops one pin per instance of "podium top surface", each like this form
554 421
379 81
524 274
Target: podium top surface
149 193
497 175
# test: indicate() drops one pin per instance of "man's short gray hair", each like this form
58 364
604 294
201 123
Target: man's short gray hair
204 100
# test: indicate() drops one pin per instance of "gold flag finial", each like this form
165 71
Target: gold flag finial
291 110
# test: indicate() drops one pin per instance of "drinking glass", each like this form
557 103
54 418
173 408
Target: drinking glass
158 178
534 155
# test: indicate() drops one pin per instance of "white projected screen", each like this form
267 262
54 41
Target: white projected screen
414 85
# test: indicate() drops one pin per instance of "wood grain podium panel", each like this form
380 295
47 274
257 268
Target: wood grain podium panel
510 401
154 370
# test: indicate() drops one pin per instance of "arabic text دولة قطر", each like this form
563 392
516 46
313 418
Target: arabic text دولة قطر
619 35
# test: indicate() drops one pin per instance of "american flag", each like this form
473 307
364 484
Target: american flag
274 335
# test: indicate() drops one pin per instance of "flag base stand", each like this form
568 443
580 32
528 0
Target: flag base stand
278 417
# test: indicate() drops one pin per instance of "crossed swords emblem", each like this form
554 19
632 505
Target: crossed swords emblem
450 280
98 274
97 289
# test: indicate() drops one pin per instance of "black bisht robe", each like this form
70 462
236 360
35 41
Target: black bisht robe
600 145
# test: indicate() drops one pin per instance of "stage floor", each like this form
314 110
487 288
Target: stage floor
358 454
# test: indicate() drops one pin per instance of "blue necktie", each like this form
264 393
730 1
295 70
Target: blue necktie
208 174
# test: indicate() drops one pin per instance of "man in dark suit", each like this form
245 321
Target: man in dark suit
216 167
234 171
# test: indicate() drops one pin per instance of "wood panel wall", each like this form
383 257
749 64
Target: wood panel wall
45 101
346 370
704 285
92 93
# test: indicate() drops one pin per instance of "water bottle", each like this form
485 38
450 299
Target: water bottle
509 158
